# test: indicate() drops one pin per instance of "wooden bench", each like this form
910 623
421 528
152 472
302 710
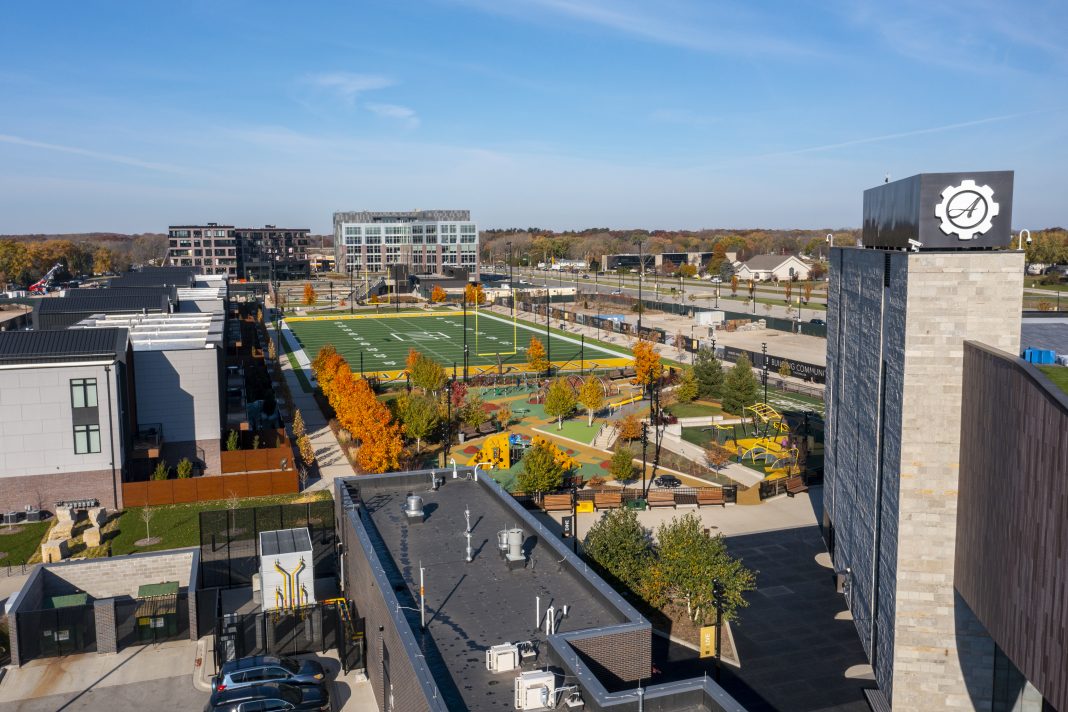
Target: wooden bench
661 498
795 485
556 503
711 496
607 500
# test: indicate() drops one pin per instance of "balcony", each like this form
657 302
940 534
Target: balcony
148 443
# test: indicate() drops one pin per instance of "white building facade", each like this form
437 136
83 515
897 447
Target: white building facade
424 240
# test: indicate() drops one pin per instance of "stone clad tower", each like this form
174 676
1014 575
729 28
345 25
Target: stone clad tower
929 277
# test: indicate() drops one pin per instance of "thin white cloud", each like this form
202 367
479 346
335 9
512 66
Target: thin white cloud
902 134
712 28
111 157
346 85
403 114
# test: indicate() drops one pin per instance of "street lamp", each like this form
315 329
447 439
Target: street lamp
641 273
693 353
764 350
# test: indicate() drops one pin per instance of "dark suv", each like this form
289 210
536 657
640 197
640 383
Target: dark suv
271 697
267 668
668 481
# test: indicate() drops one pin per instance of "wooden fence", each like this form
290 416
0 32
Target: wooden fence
205 489
262 460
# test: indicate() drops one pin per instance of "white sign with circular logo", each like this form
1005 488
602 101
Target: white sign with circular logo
967 210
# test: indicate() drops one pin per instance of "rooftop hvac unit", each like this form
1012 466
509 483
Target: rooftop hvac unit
413 509
510 544
287 576
502 658
535 690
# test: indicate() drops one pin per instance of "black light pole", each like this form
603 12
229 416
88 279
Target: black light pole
717 595
510 283
465 333
645 444
548 340
641 273
764 350
352 289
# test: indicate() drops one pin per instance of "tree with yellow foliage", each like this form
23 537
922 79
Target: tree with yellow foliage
536 359
437 294
647 366
474 294
591 396
310 296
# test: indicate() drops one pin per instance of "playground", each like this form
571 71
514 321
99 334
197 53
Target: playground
767 442
495 344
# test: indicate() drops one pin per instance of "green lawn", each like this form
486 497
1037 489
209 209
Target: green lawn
1057 374
696 409
23 544
1036 283
575 429
384 343
698 435
178 525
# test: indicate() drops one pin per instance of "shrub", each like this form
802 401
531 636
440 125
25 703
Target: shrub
184 468
162 471
232 441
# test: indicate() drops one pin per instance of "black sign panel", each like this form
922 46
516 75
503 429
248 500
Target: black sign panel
940 211
568 523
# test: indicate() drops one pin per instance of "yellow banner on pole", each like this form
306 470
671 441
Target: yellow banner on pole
708 641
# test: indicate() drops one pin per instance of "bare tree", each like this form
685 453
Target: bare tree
146 516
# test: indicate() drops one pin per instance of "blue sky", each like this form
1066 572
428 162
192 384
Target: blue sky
553 113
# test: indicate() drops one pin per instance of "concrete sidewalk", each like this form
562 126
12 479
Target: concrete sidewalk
76 675
328 453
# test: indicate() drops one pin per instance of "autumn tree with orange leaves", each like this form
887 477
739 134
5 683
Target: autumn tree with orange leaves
437 294
647 366
474 294
536 360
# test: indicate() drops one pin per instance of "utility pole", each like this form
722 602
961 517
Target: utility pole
548 339
717 595
464 298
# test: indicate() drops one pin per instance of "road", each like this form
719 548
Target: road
704 296
627 282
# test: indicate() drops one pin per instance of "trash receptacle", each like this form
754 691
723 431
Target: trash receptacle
637 504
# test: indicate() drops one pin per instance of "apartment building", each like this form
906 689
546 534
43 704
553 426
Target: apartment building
271 252
66 416
426 241
210 249
252 253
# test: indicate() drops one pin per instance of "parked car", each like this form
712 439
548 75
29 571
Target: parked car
668 481
616 292
259 669
269 697
585 276
817 322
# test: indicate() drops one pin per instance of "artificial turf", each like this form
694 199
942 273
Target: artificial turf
384 342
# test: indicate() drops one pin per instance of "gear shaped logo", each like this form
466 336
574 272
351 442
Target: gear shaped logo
967 210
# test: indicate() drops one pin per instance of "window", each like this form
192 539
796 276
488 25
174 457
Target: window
86 439
83 393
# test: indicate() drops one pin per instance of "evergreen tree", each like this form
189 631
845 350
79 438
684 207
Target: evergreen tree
739 387
709 373
686 391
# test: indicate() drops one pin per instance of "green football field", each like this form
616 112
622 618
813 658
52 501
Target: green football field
492 341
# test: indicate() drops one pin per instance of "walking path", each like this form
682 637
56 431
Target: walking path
328 453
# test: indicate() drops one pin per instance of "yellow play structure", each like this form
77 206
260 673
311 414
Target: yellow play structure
497 452
764 441
564 460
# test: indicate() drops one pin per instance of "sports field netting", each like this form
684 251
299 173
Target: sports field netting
384 341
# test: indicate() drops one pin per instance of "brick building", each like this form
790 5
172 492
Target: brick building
942 510
587 636
252 253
